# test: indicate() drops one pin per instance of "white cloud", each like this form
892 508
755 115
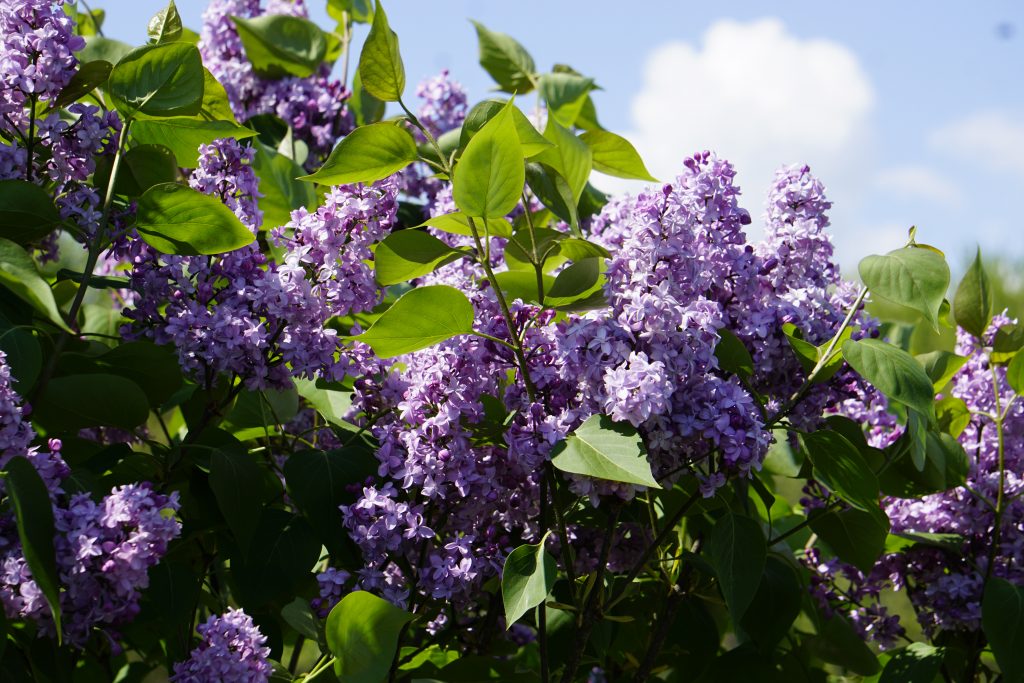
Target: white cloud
761 97
992 139
919 182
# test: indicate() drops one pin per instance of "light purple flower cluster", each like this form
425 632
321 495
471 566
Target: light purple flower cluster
260 320
444 108
232 651
313 107
104 550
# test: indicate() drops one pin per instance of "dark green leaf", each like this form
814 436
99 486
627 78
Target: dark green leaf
1008 341
90 75
274 567
24 357
360 11
838 643
165 26
840 466
18 274
570 156
236 480
367 154
952 415
915 663
299 615
554 192
526 580
521 284
605 449
320 481
34 514
27 212
98 48
458 224
737 552
422 317
775 605
732 355
489 178
408 254
615 156
579 286
893 371
175 219
914 277
153 368
565 95
362 633
972 304
216 106
144 166
1015 373
183 135
364 107
945 467
857 537
1002 619
159 80
381 71
281 45
508 62
74 402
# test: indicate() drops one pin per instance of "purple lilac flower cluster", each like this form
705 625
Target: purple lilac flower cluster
443 109
232 651
104 550
37 42
260 320
313 107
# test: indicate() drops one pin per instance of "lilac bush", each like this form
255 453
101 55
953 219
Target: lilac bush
351 386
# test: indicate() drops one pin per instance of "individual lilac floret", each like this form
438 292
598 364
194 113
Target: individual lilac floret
232 651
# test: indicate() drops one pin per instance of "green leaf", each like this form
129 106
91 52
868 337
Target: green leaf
605 449
24 357
526 580
490 176
27 212
775 605
90 75
507 62
913 277
408 254
299 615
74 402
532 142
570 156
458 224
940 366
837 642
972 303
34 514
952 415
365 107
945 465
614 155
893 371
175 219
144 166
153 368
282 191
565 95
422 317
18 274
1015 373
320 481
1008 341
554 192
360 11
280 45
100 49
367 154
579 286
236 479
840 466
216 106
165 26
381 71
362 633
737 552
915 663
521 284
159 80
1002 620
183 135
856 536
733 355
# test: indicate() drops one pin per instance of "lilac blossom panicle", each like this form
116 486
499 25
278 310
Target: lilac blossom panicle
314 107
232 650
443 109
104 550
261 320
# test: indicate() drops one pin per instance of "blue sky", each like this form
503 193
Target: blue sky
912 113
